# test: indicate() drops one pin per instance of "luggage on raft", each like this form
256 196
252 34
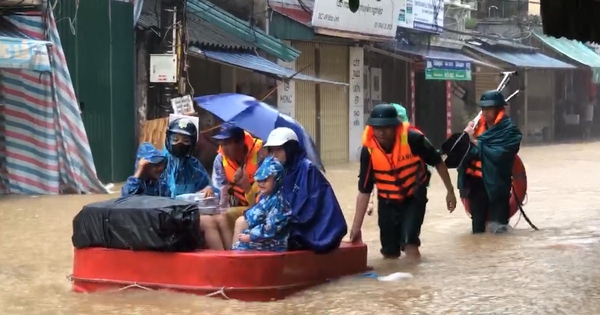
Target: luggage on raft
139 223
241 275
518 192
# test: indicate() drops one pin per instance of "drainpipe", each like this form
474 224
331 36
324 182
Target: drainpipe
168 31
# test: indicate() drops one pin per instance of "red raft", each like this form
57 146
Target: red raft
519 189
246 276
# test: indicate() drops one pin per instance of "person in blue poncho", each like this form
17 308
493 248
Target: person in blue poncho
319 223
149 166
267 222
184 174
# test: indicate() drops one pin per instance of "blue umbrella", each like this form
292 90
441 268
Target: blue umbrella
257 117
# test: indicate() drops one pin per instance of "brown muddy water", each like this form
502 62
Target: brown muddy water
551 271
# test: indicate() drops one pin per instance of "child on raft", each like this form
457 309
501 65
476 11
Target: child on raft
146 180
266 225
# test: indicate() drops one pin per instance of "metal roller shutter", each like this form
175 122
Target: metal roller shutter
334 65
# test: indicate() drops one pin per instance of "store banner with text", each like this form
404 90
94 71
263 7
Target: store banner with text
357 102
373 18
422 15
452 70
286 91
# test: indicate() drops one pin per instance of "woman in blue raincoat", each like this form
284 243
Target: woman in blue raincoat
319 224
184 174
146 180
267 221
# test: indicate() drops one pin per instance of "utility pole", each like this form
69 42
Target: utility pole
170 32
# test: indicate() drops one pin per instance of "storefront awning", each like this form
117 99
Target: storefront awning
256 63
525 60
20 51
436 53
210 26
576 51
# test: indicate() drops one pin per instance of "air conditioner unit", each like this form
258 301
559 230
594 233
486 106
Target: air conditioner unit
20 3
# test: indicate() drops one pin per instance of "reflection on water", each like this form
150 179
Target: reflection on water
552 271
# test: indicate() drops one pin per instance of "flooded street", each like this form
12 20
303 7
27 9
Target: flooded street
551 271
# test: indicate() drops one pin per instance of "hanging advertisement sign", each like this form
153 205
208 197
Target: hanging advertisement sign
374 18
422 15
357 100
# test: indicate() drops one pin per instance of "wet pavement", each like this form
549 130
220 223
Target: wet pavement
551 271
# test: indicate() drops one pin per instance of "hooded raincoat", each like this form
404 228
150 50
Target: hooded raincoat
185 175
139 186
268 220
319 221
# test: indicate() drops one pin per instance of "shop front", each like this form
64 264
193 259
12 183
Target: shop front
331 41
533 109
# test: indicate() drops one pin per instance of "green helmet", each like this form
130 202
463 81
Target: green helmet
383 115
401 112
492 98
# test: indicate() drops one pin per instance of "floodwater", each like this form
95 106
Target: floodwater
551 271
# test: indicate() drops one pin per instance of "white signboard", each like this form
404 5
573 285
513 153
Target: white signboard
424 15
374 17
286 92
357 100
182 105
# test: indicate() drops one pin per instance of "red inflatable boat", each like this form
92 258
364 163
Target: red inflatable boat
247 276
519 190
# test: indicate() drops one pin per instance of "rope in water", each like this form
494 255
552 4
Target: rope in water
215 291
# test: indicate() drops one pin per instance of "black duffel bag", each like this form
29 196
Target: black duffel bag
139 223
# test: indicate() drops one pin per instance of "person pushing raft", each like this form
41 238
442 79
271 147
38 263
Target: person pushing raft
485 175
394 158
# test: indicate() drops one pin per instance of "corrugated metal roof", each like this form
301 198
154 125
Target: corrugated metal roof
200 32
525 60
576 51
433 53
232 25
436 51
256 63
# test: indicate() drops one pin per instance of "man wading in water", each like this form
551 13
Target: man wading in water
485 175
394 158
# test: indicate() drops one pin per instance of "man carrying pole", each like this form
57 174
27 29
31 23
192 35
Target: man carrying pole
485 174
394 158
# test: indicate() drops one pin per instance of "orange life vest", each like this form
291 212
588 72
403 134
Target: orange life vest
250 166
399 173
474 168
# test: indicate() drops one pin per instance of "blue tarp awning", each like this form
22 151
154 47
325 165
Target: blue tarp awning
525 60
256 63
20 51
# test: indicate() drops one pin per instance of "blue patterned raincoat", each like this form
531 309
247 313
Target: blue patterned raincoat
269 219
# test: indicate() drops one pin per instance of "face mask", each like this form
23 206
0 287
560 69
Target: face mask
181 150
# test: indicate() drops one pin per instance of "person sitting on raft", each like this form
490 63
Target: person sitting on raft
267 222
146 180
184 174
319 224
237 160
485 175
